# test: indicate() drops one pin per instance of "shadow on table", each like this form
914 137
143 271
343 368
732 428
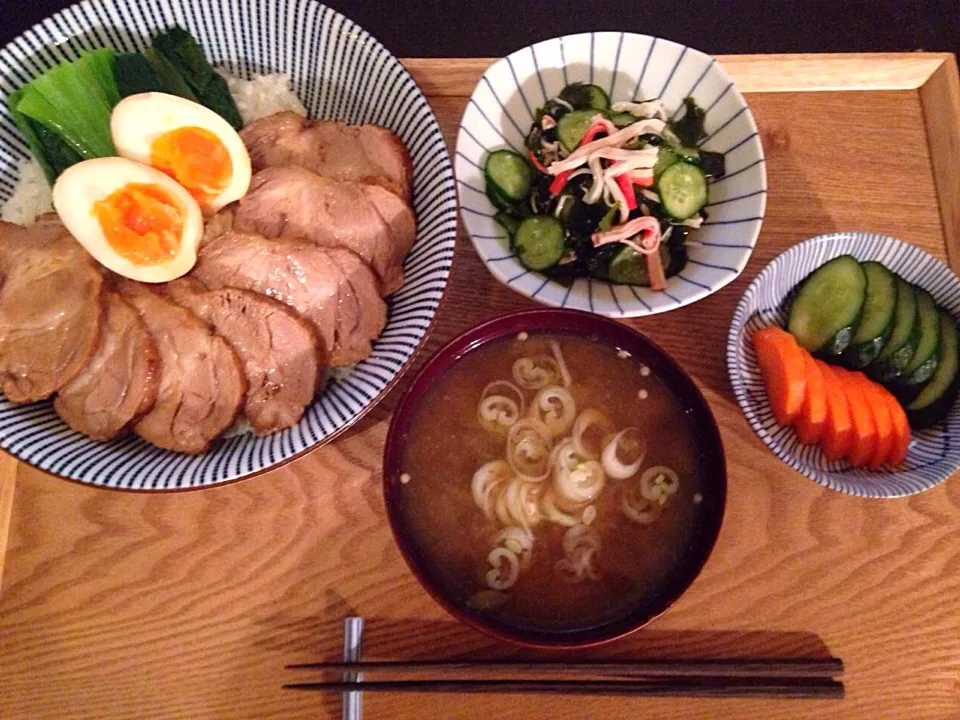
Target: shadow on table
320 638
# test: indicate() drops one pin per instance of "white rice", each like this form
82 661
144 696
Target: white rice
30 198
263 95
256 98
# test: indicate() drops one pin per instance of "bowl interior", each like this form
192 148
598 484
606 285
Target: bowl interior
710 463
501 110
339 71
934 453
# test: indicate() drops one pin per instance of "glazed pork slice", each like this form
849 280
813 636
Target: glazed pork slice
51 304
119 385
363 314
218 224
279 350
374 224
331 288
369 154
202 385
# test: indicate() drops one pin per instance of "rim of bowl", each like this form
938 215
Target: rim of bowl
560 321
739 266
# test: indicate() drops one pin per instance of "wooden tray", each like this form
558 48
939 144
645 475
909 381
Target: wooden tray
188 605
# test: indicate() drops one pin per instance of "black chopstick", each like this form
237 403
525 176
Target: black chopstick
807 688
760 667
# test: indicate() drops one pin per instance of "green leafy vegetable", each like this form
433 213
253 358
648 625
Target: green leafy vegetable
134 74
98 65
51 152
689 128
184 54
169 76
64 114
71 101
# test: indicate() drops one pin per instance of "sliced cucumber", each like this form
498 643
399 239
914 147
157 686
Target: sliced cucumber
690 154
827 310
573 126
499 200
509 173
877 321
628 267
683 190
665 158
539 242
939 394
622 119
926 356
583 96
924 361
507 222
898 349
606 222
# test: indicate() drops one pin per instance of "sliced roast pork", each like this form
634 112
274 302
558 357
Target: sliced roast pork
367 220
330 287
217 225
362 153
51 305
202 385
279 349
119 385
363 313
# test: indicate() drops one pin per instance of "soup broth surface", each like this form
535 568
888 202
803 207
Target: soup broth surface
446 446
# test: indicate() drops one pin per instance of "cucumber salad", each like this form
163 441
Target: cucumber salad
608 191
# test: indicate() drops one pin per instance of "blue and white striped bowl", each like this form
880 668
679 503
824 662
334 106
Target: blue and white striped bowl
339 71
934 453
499 115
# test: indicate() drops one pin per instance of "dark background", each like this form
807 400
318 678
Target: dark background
438 28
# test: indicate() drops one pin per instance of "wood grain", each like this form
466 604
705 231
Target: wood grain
8 481
189 605
752 73
940 97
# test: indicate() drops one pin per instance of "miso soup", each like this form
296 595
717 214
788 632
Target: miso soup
550 483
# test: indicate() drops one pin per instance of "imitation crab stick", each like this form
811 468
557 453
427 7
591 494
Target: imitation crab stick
784 370
811 423
838 433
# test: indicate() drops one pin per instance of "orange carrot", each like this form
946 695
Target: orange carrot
864 443
876 396
811 423
783 368
901 432
838 434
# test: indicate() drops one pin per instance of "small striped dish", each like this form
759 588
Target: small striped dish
339 71
934 453
499 115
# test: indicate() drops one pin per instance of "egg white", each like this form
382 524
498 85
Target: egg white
83 184
137 121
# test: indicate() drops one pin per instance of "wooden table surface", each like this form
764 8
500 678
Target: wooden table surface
119 605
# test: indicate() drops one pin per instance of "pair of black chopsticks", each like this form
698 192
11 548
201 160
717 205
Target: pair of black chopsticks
691 678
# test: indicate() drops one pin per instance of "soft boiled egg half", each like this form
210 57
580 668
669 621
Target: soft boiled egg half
133 219
188 142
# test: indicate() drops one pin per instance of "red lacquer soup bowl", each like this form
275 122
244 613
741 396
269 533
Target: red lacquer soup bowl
707 459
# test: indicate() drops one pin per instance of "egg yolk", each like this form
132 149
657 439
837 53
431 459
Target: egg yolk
195 158
142 222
